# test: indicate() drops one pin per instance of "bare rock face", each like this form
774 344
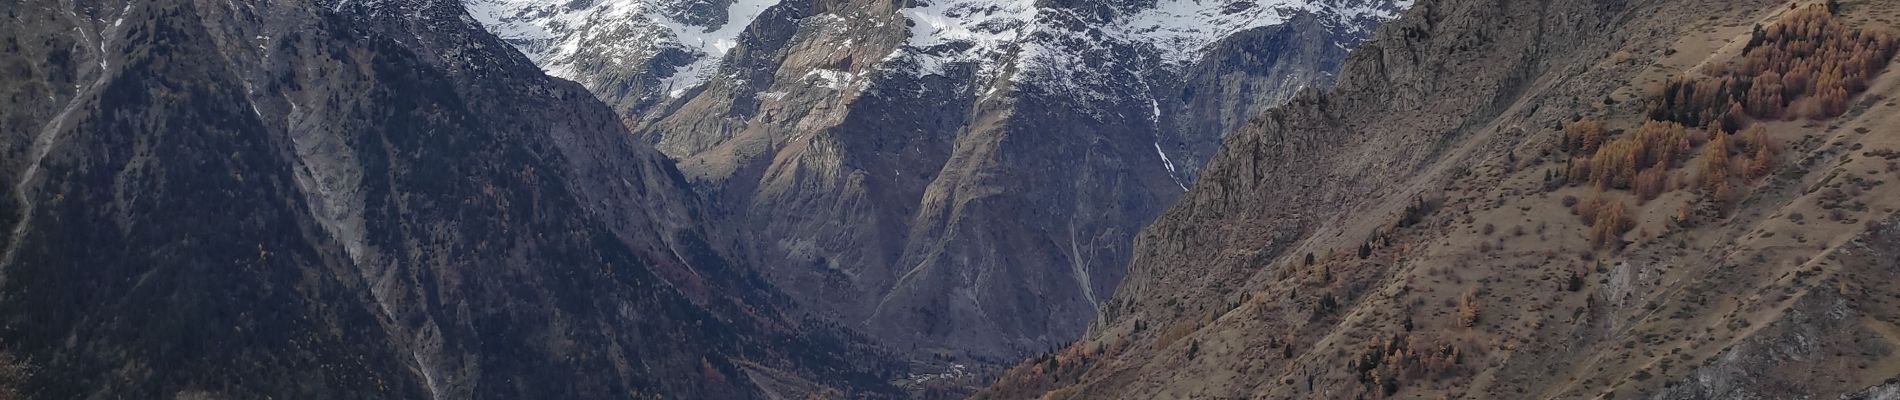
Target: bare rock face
953 177
359 199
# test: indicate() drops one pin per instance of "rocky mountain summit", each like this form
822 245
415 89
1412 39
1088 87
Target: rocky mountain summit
359 199
959 178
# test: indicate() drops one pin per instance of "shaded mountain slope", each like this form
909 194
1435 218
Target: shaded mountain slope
367 199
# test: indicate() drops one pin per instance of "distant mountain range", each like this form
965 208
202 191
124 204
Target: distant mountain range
958 178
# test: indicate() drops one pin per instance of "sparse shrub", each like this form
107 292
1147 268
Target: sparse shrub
1720 171
1417 210
1176 332
1470 308
709 372
1066 392
1684 216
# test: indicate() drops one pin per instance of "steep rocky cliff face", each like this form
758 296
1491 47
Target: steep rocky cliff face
957 177
358 199
1430 227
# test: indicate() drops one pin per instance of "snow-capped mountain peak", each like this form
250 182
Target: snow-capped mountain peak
565 36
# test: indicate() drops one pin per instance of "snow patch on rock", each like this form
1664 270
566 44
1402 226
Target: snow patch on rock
832 79
709 43
945 32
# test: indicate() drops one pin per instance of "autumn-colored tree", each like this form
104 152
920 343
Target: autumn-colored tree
1588 209
1584 136
1652 182
1762 150
1826 103
1470 308
1762 163
1717 168
1715 163
1611 221
1579 170
1764 100
1807 66
1734 119
1614 165
1387 363
1663 144
1655 144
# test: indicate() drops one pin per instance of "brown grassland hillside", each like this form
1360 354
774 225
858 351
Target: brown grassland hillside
1537 199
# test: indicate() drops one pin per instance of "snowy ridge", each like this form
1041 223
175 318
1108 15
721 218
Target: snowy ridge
1178 31
569 39
561 36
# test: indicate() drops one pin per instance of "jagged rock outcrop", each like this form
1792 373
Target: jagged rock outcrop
955 177
359 199
1410 232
